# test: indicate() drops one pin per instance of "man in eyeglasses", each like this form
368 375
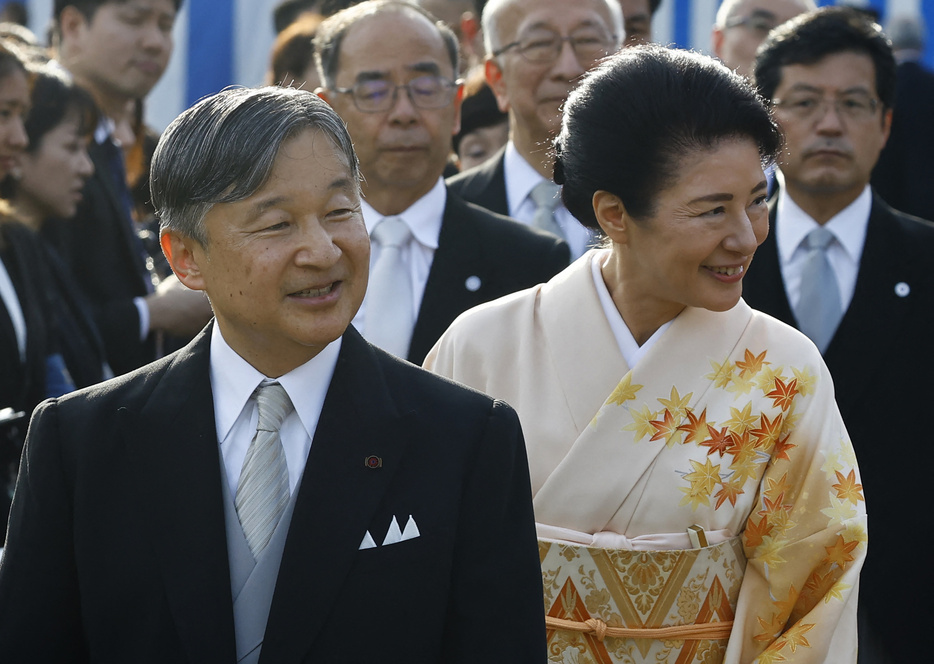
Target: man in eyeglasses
536 52
389 70
855 275
742 25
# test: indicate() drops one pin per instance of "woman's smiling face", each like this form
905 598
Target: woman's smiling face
697 245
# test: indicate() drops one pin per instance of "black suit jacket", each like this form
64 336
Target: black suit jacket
99 250
881 359
481 256
484 185
117 548
904 174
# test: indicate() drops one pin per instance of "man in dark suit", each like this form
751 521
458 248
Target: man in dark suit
537 50
830 76
278 490
389 71
904 176
118 50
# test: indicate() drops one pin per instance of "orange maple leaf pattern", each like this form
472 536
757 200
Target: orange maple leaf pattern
751 364
847 488
783 396
696 428
839 553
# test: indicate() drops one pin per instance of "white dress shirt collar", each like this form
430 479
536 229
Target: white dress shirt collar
423 217
848 226
523 178
233 381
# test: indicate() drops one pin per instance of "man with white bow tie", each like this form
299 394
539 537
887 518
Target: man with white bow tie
855 276
389 70
279 490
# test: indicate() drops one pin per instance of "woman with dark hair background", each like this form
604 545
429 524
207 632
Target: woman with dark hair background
696 494
47 184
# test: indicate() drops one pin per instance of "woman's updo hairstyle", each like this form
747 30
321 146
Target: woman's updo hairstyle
631 121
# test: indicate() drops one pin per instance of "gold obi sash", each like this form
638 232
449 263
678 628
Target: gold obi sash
609 606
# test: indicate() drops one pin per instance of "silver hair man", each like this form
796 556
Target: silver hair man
222 150
493 11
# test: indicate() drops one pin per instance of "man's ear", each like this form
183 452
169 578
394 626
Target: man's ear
716 41
886 125
612 216
324 94
494 78
72 24
458 100
184 255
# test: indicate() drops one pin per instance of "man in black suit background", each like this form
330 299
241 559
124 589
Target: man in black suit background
389 71
118 50
536 52
866 297
279 490
904 176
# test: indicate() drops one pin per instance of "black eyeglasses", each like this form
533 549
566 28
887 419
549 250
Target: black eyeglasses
425 92
544 46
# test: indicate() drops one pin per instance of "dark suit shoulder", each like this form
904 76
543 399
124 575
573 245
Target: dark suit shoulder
484 185
505 231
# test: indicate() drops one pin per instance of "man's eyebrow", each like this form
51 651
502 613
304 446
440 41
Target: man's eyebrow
544 25
712 198
763 13
261 206
340 184
807 87
425 68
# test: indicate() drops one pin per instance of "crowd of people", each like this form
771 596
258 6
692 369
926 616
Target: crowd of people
670 316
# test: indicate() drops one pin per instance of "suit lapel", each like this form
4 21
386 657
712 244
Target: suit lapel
173 443
337 498
876 314
102 169
764 287
446 293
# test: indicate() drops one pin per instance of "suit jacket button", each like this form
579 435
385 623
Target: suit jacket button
473 283
373 461
902 289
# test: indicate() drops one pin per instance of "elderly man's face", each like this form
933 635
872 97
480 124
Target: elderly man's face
286 268
833 123
405 146
534 92
736 42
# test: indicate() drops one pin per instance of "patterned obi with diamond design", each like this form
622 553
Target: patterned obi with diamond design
609 606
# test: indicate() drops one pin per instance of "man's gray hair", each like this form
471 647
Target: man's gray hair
330 34
222 150
493 11
729 8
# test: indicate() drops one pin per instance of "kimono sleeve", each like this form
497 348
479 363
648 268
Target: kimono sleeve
805 538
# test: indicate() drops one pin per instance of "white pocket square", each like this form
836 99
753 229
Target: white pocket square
368 542
395 534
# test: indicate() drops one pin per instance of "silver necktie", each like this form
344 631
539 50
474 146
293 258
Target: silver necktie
819 310
390 313
263 490
545 197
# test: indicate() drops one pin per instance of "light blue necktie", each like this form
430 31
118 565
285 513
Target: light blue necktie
819 310
545 197
263 489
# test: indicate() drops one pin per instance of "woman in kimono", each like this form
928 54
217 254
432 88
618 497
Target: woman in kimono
696 495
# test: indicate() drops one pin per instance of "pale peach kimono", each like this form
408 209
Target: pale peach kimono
728 423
